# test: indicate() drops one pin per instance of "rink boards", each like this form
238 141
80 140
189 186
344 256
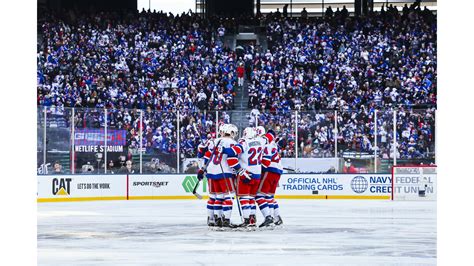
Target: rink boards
54 188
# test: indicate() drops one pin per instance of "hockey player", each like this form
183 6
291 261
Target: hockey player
219 175
247 164
271 172
214 208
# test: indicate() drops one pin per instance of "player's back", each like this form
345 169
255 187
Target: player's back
252 155
271 154
218 166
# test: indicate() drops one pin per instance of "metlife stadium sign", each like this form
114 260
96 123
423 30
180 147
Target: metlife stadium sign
376 186
93 140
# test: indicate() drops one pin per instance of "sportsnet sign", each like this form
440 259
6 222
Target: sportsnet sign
164 186
149 186
92 140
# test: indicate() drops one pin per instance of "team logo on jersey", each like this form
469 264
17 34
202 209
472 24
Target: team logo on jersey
190 181
359 184
62 186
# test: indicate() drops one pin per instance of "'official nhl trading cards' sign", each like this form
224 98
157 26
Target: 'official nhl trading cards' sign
350 185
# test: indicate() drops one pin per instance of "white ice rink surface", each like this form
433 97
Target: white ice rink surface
315 232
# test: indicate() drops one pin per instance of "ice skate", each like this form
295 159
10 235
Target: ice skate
252 221
227 224
211 222
268 221
278 220
218 221
245 223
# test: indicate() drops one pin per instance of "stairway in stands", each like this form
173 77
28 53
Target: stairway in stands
239 115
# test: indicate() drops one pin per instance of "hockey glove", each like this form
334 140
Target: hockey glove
200 174
203 144
244 175
202 147
226 151
271 132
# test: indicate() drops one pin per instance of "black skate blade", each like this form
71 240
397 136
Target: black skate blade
244 229
217 229
267 227
251 228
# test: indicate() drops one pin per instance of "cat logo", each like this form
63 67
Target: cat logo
62 186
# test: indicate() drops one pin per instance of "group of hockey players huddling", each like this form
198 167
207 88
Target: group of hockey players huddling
249 167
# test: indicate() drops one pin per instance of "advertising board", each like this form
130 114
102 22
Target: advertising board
85 187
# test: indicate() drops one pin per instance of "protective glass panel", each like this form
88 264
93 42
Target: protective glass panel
58 140
122 141
356 140
416 136
316 134
89 152
196 127
241 119
159 142
40 163
385 151
283 123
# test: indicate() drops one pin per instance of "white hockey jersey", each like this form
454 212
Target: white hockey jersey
214 169
251 155
271 158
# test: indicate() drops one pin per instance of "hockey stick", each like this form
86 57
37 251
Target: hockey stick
205 169
230 194
238 202
194 190
289 169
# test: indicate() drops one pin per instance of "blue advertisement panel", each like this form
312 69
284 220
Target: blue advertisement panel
92 140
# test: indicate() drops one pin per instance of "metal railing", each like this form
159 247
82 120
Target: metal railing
318 7
111 141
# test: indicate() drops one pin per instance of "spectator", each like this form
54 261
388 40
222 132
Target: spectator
304 13
110 167
128 168
87 168
57 168
329 12
348 167
285 11
277 13
240 75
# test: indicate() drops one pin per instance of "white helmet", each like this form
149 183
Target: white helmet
249 133
260 131
234 130
221 130
227 130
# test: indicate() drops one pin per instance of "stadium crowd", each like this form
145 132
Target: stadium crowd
356 66
161 63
